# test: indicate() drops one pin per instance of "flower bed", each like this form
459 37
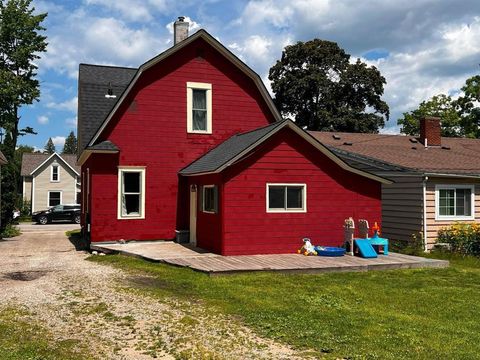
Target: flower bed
463 238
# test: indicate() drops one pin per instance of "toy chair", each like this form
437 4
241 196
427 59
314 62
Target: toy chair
363 229
349 230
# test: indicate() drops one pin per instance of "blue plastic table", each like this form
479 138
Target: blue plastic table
378 241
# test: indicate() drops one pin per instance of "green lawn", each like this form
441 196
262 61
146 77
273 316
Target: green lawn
23 339
421 314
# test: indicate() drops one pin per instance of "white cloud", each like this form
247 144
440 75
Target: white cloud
58 141
67 105
42 120
192 25
134 10
71 122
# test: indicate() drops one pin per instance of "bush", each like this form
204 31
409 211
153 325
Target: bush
10 231
415 246
463 238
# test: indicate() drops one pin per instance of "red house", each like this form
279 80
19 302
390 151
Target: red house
191 140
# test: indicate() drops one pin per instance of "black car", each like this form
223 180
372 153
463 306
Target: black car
58 213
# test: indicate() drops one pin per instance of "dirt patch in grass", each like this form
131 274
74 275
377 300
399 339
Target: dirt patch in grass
24 275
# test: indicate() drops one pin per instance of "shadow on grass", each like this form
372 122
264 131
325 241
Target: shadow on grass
78 240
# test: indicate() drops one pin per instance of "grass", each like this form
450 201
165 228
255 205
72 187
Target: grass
23 339
399 314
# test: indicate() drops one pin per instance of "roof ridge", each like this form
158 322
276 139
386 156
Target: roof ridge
109 66
274 124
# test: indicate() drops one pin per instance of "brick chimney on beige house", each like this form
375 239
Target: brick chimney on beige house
180 30
430 131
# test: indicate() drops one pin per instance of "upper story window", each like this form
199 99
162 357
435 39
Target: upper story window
199 108
286 198
55 174
131 193
454 202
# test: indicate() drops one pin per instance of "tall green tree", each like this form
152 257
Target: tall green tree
49 147
459 118
441 106
315 83
21 44
70 146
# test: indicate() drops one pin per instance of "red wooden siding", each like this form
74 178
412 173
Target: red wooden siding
150 130
333 195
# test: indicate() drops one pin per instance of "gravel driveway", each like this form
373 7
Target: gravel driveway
78 299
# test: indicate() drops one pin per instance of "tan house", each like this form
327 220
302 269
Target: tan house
50 179
436 179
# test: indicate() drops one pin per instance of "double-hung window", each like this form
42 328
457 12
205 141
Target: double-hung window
199 108
210 199
131 193
286 197
54 198
454 202
55 173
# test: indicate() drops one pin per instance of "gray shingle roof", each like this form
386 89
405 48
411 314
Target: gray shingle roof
30 161
104 145
228 150
93 106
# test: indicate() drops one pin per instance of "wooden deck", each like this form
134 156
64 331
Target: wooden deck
212 264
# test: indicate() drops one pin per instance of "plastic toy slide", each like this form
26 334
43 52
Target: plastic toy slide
366 249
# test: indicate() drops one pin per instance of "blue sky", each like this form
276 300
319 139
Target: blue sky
422 48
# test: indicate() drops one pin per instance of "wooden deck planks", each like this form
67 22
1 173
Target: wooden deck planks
213 264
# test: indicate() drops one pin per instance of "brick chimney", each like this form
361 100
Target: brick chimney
180 30
430 131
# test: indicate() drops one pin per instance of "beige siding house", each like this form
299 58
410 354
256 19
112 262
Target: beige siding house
49 180
436 179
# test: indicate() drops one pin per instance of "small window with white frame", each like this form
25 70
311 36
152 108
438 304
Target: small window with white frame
210 199
199 108
131 193
454 202
286 198
55 173
54 198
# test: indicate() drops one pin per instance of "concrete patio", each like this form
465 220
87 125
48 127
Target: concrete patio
197 259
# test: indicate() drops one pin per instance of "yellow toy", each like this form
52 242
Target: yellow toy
307 248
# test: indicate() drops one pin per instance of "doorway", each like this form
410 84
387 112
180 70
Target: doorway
193 215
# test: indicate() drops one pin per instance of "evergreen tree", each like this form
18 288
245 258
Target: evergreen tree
49 147
20 47
70 146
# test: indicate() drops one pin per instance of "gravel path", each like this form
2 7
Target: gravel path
77 299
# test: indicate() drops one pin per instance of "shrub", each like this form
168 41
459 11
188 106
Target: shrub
10 231
413 247
463 238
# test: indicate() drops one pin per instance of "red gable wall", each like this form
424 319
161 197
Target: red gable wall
150 130
333 195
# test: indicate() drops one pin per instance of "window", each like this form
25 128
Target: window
286 198
131 193
199 108
454 202
54 198
210 199
55 173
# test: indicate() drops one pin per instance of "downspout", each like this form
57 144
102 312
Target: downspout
424 185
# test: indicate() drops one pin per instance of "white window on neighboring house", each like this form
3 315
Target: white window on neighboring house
54 198
286 198
454 202
131 193
55 173
199 108
210 199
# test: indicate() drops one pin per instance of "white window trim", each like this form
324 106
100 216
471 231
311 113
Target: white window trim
304 199
448 187
203 199
58 173
201 86
48 198
121 170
